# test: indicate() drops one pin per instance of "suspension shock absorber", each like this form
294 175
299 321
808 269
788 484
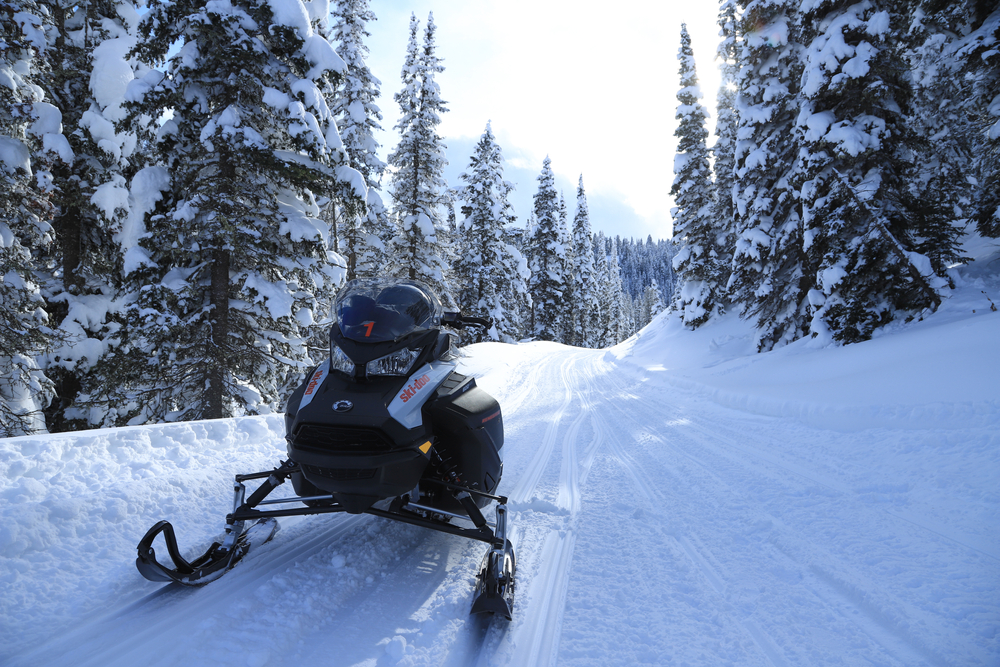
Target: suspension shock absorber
445 467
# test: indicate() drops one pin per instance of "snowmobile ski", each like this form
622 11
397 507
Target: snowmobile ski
211 565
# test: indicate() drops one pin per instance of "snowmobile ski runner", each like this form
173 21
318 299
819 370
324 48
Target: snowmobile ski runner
385 426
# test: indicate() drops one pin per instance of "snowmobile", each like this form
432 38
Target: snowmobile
385 426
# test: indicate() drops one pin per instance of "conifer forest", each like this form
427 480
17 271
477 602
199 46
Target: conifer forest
188 183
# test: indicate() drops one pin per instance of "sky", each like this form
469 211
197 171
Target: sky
593 89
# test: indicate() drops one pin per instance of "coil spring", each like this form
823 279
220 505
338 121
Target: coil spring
445 467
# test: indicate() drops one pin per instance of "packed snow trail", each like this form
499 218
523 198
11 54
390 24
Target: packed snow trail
653 525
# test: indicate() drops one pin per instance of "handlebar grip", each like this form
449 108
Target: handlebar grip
484 322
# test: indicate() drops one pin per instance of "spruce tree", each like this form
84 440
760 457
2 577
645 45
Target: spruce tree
697 264
487 269
616 322
652 304
602 278
941 193
548 282
81 270
418 186
584 276
856 164
770 276
978 64
25 212
228 270
358 117
571 294
726 121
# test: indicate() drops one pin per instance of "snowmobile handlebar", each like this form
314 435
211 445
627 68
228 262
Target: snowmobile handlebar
459 321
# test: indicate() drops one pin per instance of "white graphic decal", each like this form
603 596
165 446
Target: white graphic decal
315 382
405 407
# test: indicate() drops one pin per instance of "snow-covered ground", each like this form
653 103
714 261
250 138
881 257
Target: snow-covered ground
677 499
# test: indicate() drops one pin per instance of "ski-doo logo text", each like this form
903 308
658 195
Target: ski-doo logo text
412 390
317 378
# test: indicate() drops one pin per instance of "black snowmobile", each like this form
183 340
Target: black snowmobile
385 426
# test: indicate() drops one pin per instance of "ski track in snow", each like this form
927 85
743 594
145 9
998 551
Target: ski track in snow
883 625
651 525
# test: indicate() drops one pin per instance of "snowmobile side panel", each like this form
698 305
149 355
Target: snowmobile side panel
406 406
468 425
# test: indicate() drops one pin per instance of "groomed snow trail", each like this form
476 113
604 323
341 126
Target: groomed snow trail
652 526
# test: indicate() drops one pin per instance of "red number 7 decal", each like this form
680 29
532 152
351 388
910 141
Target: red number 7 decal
369 325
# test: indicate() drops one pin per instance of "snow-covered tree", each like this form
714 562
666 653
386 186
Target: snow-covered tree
358 117
571 293
770 279
584 277
230 260
602 288
418 186
81 269
618 316
651 304
697 265
726 119
488 267
978 60
941 193
25 212
548 282
856 164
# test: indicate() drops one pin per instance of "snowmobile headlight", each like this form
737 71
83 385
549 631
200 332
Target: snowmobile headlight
340 361
398 363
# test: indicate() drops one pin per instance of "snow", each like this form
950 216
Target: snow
676 499
111 196
48 126
14 155
111 76
322 57
147 188
292 13
275 297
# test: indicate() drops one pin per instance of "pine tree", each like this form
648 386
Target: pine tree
770 276
571 294
940 190
651 304
233 256
856 163
488 267
418 187
548 283
725 139
584 276
614 296
81 270
978 60
25 212
358 118
699 297
601 321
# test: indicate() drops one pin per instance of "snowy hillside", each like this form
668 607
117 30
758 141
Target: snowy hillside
677 499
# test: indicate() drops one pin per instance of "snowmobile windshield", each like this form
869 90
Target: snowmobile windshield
379 310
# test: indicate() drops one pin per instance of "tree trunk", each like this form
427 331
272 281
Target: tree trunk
219 295
68 227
